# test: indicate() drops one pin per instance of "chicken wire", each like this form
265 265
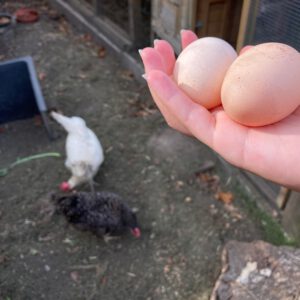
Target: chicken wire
277 21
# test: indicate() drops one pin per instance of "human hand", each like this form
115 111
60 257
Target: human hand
270 151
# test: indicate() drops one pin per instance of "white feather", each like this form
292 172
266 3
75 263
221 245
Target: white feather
83 149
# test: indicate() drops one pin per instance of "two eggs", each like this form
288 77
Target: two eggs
257 88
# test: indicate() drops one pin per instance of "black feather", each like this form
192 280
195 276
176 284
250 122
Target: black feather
101 213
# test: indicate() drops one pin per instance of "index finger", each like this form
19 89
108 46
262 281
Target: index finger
187 37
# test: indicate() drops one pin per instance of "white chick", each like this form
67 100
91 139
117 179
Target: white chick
83 149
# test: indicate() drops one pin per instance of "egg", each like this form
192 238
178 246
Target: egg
262 86
200 69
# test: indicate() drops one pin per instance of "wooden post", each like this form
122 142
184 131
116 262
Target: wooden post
283 197
243 24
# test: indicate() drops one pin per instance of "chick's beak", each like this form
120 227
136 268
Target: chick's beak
65 187
136 232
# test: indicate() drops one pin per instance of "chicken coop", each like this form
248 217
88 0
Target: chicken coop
123 24
127 25
219 18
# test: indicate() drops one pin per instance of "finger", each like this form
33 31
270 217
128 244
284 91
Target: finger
169 117
245 49
187 37
152 60
167 54
194 117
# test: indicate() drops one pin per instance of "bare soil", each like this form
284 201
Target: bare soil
184 227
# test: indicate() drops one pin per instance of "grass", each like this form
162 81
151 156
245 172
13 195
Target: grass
272 230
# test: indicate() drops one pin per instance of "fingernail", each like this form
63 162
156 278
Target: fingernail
140 51
182 30
145 76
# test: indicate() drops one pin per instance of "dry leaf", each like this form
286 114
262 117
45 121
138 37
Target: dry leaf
101 52
126 74
178 185
54 15
75 276
234 212
63 27
210 181
144 111
3 259
207 177
87 37
103 280
167 269
225 197
38 121
42 76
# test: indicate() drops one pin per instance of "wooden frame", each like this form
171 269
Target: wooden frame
247 23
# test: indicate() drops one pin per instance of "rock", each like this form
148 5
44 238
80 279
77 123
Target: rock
258 270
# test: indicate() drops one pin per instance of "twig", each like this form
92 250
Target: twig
4 171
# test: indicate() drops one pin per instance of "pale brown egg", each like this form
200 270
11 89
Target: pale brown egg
262 86
200 69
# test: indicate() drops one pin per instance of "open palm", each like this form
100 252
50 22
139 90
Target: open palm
271 151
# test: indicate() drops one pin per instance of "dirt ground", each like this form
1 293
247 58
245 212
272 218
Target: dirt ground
183 226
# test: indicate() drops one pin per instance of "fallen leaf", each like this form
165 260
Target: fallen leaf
38 121
103 280
234 212
144 113
3 259
75 276
178 185
142 109
87 37
207 177
167 269
210 181
225 197
101 52
54 15
42 76
63 26
127 74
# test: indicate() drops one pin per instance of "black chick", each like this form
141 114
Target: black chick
102 213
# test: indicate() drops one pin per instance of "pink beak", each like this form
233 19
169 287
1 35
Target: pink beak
136 232
65 187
